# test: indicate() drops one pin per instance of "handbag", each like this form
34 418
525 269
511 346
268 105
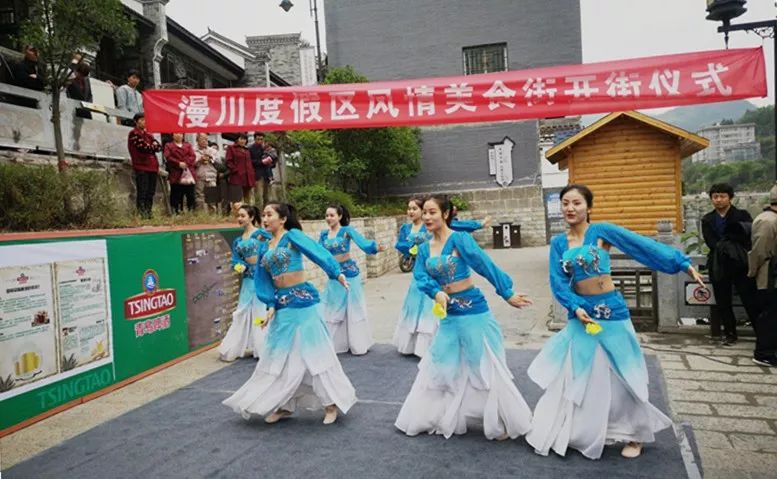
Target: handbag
187 178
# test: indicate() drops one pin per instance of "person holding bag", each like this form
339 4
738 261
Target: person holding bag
180 158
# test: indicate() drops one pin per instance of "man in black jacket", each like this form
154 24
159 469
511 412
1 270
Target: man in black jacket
264 158
28 72
726 231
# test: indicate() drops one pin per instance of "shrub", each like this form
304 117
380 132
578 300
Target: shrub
40 198
459 202
311 201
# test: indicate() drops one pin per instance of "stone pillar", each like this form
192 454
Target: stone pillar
668 285
154 10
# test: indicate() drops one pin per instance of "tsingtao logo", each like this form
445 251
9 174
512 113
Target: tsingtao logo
150 281
152 301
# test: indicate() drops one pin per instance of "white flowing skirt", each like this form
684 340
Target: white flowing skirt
243 335
417 324
345 313
298 368
460 380
608 412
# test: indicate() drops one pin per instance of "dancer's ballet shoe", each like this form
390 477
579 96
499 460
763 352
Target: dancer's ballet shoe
632 450
277 416
331 414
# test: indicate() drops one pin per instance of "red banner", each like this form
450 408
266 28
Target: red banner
652 82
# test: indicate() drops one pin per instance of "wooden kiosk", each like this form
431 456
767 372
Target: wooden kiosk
632 163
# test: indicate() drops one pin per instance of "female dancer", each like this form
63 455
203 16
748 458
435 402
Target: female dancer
593 371
464 375
417 324
345 310
243 335
298 365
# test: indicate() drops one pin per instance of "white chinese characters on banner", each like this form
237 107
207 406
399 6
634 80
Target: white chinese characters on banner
500 155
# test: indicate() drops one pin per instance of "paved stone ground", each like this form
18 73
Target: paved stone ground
730 402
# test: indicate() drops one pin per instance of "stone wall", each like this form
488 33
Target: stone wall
283 51
383 230
521 205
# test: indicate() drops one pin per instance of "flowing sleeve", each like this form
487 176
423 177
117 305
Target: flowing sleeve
483 265
315 252
467 226
560 284
261 234
649 252
236 259
368 246
423 279
403 244
265 289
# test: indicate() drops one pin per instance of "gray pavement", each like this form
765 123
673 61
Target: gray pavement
730 402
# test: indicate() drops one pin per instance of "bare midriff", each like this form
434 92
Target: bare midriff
343 257
252 259
593 286
458 286
287 280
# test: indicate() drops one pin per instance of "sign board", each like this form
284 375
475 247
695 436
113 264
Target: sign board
696 295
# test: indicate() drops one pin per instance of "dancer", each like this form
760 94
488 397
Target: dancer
593 371
417 324
243 335
464 375
298 365
345 311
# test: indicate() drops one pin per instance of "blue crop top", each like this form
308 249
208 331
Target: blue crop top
585 261
341 244
286 257
570 265
432 273
407 238
243 249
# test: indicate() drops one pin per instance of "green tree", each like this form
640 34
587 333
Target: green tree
370 156
59 29
313 159
764 128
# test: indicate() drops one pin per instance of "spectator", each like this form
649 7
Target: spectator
28 73
142 148
257 153
241 171
80 89
180 158
128 97
206 171
762 261
726 232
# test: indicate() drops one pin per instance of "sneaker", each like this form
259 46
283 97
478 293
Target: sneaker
767 362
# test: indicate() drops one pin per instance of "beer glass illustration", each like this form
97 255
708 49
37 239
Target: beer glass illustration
27 365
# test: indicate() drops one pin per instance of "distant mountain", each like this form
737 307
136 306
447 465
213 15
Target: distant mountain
693 118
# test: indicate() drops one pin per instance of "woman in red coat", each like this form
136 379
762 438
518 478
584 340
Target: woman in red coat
179 156
241 172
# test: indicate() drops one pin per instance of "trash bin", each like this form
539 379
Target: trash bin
506 235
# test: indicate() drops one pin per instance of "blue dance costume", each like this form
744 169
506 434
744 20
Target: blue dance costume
464 374
345 312
596 386
242 334
298 365
417 325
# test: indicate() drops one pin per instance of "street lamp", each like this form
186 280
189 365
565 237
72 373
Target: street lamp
286 6
726 10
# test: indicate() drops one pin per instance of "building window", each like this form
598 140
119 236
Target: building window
485 58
